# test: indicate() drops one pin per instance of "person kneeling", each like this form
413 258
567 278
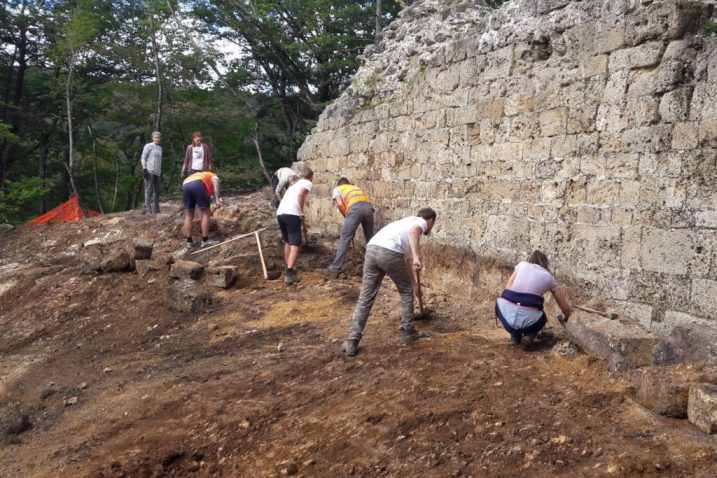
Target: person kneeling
520 306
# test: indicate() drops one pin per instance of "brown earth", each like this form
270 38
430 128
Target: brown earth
257 386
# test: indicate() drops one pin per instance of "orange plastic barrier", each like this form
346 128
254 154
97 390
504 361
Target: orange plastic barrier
65 212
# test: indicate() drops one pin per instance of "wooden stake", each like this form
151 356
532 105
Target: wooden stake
228 241
261 256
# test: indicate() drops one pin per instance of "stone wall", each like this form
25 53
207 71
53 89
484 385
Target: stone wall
586 129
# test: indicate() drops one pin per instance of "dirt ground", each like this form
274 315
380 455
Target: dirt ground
100 378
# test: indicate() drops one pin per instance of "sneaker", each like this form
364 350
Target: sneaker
514 340
291 277
529 339
190 246
350 347
330 273
209 242
411 335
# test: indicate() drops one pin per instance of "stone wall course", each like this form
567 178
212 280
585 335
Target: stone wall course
585 129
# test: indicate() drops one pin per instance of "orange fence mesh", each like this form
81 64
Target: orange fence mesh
65 212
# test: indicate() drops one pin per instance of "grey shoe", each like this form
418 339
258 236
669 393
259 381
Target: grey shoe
350 347
190 246
330 273
411 335
209 242
291 277
529 339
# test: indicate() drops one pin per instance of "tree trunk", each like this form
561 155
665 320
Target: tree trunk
379 15
258 149
71 154
98 195
157 71
117 175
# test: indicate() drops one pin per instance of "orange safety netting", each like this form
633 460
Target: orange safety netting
65 212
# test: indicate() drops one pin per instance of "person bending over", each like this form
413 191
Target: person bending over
280 182
520 307
197 191
389 253
354 204
290 215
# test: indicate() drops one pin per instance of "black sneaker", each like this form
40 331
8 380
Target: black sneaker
330 273
291 277
411 335
350 347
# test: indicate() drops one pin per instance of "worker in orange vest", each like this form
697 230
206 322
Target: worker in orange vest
354 204
197 192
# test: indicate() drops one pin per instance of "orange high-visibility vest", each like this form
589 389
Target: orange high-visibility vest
350 195
205 177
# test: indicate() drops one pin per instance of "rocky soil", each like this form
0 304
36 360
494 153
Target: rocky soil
101 376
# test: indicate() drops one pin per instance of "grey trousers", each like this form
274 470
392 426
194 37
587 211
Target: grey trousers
152 190
378 263
360 214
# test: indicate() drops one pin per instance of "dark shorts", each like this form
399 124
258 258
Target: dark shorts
290 229
194 194
274 182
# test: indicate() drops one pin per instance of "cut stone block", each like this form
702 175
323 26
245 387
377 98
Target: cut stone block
187 296
186 270
221 277
624 344
142 250
702 407
144 267
687 343
665 390
116 262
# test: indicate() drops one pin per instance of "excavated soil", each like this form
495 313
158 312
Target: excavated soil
99 377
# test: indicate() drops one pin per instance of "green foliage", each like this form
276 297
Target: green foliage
19 196
709 28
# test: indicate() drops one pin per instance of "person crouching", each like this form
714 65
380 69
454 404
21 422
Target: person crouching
520 308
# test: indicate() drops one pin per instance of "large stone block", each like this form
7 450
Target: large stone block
622 343
642 56
702 407
665 390
116 262
145 266
704 295
687 343
222 276
186 270
187 296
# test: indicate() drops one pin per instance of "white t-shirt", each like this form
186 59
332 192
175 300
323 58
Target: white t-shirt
290 202
394 236
198 157
284 175
533 279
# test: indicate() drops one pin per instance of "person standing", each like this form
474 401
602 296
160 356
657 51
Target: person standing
290 215
151 160
354 204
197 157
197 192
389 253
280 182
520 307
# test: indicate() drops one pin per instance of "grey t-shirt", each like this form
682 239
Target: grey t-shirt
152 158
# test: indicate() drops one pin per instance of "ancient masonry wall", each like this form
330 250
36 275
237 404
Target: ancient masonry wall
585 129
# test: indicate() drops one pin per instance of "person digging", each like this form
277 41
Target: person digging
290 215
356 208
386 254
197 192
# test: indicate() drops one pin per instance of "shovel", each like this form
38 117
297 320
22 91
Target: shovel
423 314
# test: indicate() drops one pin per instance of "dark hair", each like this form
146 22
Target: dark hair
537 257
343 181
427 213
307 173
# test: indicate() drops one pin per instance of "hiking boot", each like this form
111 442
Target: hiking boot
209 242
350 347
529 339
330 273
411 335
291 277
514 340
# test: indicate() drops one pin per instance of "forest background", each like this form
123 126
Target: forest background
83 83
